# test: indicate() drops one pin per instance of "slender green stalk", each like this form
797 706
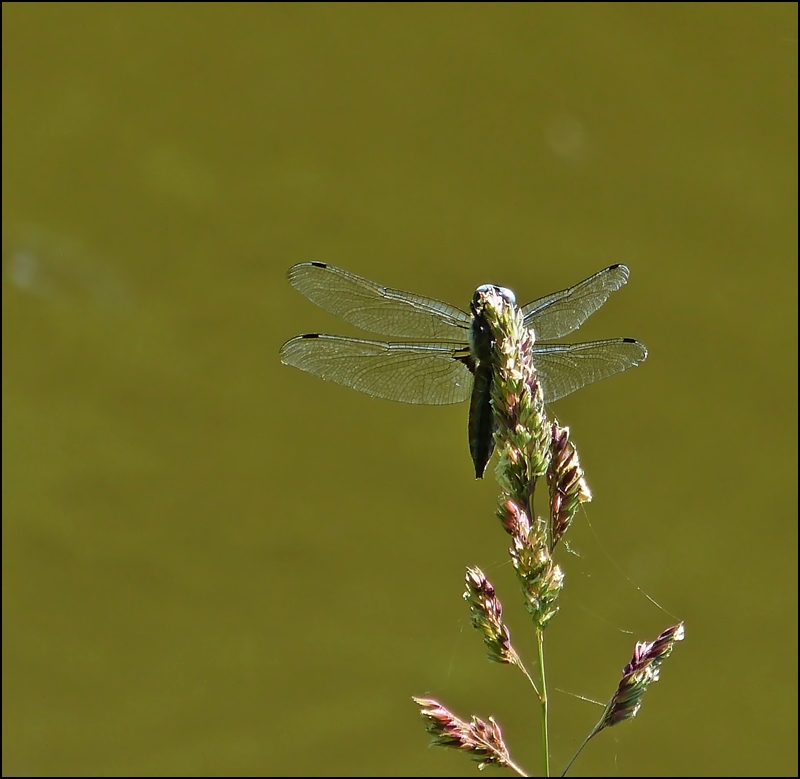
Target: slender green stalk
545 704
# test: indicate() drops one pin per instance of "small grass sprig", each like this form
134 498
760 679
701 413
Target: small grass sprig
568 488
481 739
637 676
487 617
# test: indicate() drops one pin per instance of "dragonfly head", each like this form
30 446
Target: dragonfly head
486 290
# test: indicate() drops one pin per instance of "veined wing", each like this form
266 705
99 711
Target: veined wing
559 313
375 308
425 373
564 368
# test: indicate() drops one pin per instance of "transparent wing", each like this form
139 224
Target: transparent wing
559 313
378 309
426 373
564 368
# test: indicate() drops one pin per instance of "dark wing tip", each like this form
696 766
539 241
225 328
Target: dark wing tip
642 349
288 345
298 269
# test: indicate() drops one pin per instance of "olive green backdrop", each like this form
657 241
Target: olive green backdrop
216 564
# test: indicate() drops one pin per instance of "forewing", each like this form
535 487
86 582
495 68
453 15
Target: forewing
378 309
559 313
564 368
424 373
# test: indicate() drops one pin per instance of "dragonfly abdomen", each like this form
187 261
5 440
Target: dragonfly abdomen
481 419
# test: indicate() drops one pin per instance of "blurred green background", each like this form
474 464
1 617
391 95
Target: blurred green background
216 564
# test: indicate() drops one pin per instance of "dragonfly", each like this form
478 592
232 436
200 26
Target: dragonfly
441 361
